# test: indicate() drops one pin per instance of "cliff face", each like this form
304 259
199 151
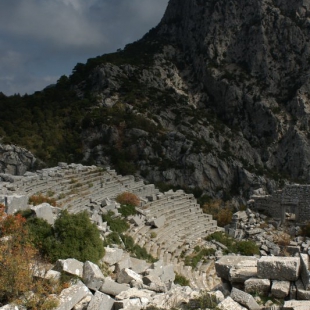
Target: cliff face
228 91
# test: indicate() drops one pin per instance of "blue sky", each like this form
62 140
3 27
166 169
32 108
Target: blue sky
40 40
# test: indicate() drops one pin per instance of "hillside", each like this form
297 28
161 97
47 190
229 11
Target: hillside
213 100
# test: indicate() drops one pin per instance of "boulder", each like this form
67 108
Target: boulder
304 272
70 265
280 289
154 283
112 255
244 299
297 305
158 222
130 304
92 276
113 288
225 263
301 292
14 203
83 303
278 268
69 297
127 275
135 293
257 286
101 301
229 304
241 272
139 265
45 212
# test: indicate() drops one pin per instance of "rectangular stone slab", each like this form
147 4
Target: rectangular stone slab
278 268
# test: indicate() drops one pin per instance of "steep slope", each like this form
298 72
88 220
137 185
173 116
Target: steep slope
214 99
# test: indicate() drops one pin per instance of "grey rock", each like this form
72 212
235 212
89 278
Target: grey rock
225 263
69 297
158 222
278 268
14 202
45 212
112 255
101 301
113 288
92 276
244 299
257 286
304 270
127 275
280 289
70 265
229 304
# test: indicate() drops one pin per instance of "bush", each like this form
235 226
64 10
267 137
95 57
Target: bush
127 210
128 199
75 236
220 212
116 224
181 280
247 248
38 199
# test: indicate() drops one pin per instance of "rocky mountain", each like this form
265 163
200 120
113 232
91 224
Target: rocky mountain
215 99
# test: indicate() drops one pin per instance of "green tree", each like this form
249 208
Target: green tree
75 237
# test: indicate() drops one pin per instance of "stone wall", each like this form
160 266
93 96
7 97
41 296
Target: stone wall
293 199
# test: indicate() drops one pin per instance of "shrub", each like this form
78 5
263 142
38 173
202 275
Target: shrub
116 224
16 253
75 236
126 210
220 212
181 280
247 248
127 198
38 199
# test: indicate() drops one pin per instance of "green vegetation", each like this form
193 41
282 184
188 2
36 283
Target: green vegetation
197 256
181 280
73 235
116 223
247 248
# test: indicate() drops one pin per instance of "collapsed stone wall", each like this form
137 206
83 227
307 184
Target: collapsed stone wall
293 199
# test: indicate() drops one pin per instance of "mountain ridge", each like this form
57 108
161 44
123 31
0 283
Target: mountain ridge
214 99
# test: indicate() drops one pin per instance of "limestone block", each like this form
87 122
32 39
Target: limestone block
244 299
45 212
83 303
113 288
70 265
92 276
158 222
154 283
69 297
278 268
225 263
139 265
125 262
52 275
101 301
240 274
126 276
14 203
257 286
168 274
217 296
229 304
12 307
112 255
304 272
297 305
135 293
302 294
126 304
280 289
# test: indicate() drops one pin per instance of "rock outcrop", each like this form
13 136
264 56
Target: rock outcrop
16 160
